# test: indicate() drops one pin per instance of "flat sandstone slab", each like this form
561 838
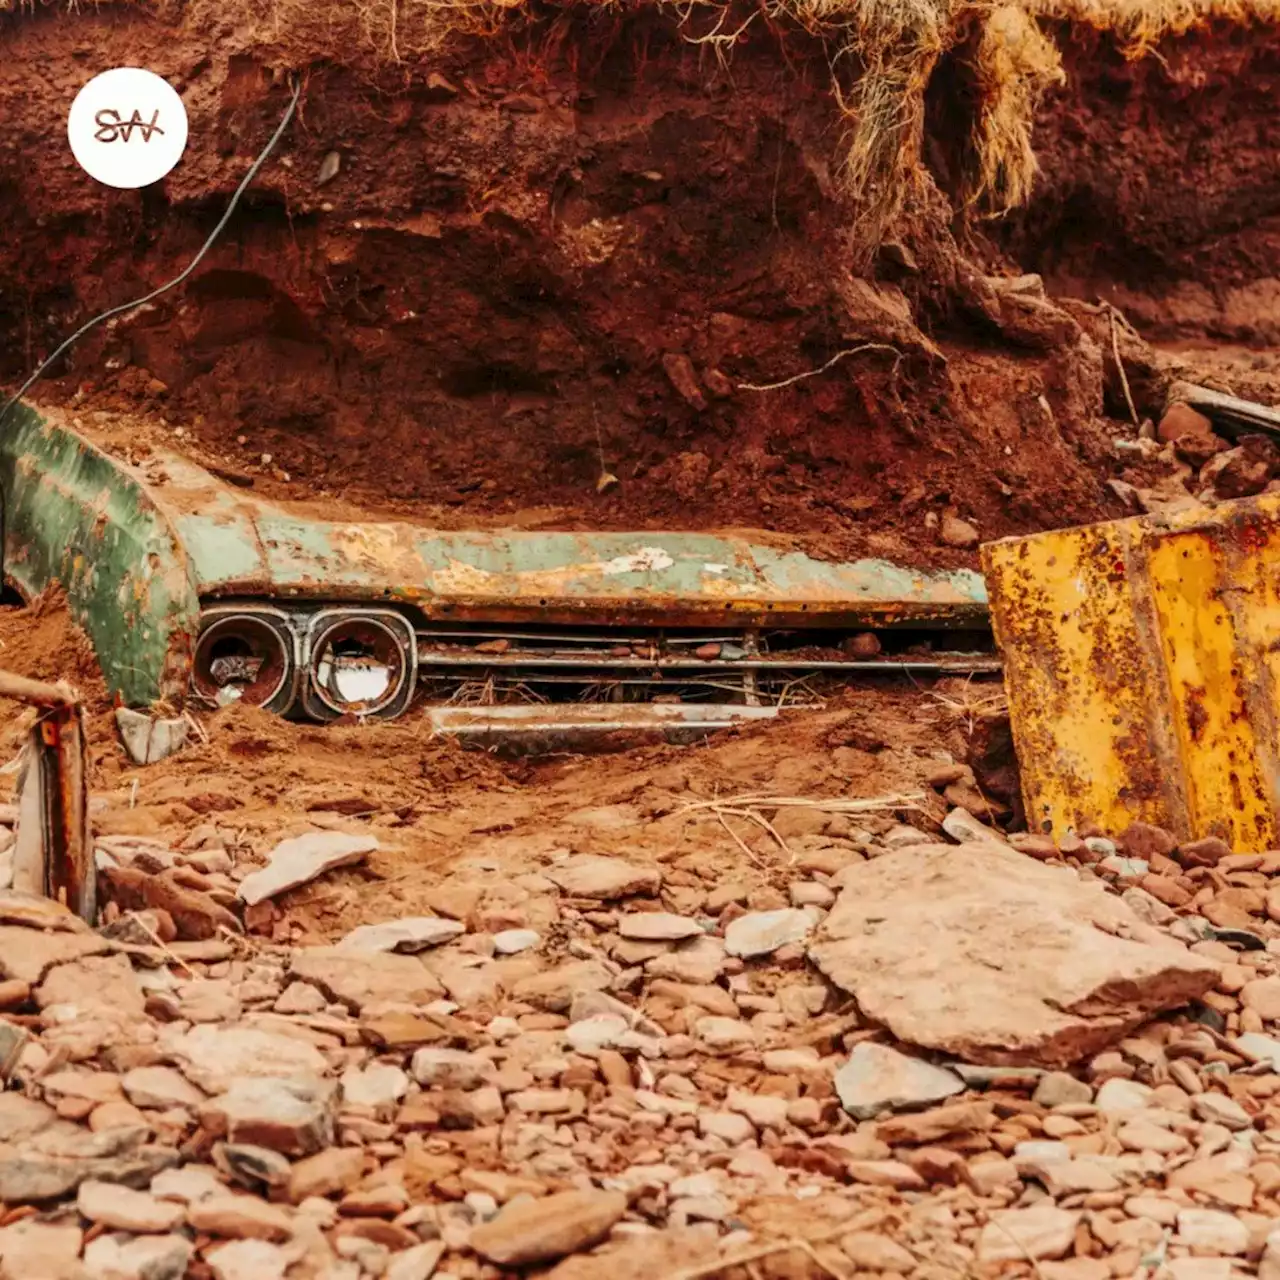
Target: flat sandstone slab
995 958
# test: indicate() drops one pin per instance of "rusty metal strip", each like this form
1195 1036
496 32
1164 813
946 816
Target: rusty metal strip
1143 673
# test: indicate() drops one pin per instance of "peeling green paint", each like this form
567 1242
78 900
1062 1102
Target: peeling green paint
74 516
138 548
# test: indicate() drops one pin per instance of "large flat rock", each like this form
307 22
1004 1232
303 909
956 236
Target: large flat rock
995 958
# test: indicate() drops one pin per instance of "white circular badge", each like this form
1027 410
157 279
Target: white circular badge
127 127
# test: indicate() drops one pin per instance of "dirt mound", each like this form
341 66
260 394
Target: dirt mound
41 641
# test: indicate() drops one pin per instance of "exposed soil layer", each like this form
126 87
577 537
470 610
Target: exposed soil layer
1159 188
561 253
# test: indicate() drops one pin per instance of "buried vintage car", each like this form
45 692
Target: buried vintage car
192 589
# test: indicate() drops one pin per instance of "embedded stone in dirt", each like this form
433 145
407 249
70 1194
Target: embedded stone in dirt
56 1161
360 978
213 1057
554 990
587 875
1013 1235
160 1088
28 954
529 1231
657 926
293 1116
417 1263
240 1218
36 912
413 933
40 1250
995 958
142 1258
122 1209
878 1078
300 859
760 933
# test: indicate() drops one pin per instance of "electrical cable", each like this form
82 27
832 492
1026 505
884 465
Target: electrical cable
178 279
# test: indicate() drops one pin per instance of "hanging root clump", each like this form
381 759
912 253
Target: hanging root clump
891 46
1014 67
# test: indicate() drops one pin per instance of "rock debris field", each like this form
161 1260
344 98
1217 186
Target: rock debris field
923 1056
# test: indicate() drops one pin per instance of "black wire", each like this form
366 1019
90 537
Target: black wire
178 279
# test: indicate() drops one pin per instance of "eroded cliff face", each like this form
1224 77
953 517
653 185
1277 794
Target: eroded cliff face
582 249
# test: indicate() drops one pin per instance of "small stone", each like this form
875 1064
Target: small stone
604 879
726 1125
657 926
112 1257
253 1167
510 942
600 1031
239 1218
764 1110
1143 1135
1264 1048
697 962
923 1127
121 1209
409 935
301 859
760 933
248 1260
1057 1089
724 1033
54 1162
1222 1177
360 978
450 1068
1262 995
544 1102
328 1172
378 1086
554 989
1181 419
293 1116
530 1231
884 1173
40 1250
300 997
1117 1096
160 1088
1042 1231
188 1184
149 739
1217 1108
1200 1269
418 1263
1211 1231
878 1078
871 1251
958 533
1203 853
216 1057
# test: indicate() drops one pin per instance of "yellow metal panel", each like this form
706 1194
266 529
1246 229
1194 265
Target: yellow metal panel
1142 661
1080 691
1225 792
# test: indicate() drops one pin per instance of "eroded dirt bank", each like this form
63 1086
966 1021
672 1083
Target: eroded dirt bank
550 255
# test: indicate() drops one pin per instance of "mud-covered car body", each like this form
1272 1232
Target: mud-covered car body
192 587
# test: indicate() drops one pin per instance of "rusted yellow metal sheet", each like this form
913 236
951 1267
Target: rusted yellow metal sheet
1142 661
